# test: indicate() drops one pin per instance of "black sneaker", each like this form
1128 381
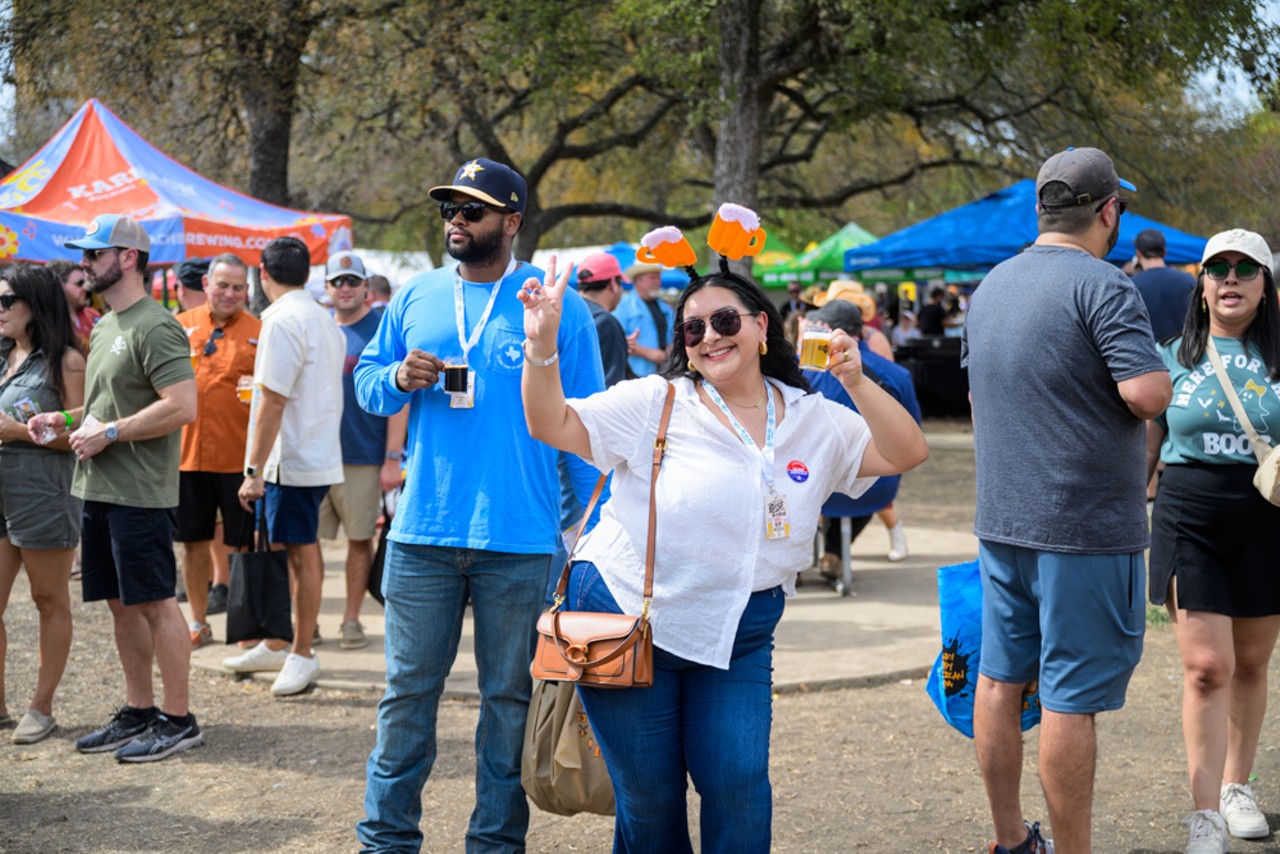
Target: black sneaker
123 727
163 738
217 599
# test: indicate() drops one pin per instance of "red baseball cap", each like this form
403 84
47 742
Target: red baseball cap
599 267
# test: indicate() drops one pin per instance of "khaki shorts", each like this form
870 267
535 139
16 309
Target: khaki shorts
356 503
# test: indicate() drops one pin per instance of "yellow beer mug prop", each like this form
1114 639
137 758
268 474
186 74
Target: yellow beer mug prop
666 246
736 232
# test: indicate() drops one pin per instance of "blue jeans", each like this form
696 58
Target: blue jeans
694 721
427 589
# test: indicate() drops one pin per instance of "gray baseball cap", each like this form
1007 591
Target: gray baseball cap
1087 172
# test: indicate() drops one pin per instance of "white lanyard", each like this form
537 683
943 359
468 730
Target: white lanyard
766 453
460 311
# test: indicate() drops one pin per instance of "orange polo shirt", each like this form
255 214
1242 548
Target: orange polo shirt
215 441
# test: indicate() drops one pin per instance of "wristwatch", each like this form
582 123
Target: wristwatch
111 432
250 471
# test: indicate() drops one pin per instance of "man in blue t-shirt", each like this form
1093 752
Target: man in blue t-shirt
895 379
648 321
1063 371
1165 291
479 515
371 445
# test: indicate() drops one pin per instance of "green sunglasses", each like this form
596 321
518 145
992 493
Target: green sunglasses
1245 270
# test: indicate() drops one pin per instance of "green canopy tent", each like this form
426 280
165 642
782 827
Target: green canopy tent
823 263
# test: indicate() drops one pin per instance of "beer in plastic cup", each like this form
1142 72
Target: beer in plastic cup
244 389
814 347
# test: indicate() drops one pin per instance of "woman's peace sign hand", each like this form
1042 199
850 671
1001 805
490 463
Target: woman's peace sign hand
543 302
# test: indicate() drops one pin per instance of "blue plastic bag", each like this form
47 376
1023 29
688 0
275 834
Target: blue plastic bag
954 677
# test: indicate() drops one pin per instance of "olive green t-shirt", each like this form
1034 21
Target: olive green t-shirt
132 354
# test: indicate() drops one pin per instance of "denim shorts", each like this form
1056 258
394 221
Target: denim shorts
127 553
1074 621
293 513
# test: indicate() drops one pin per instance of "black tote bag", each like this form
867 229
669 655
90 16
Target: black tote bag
258 602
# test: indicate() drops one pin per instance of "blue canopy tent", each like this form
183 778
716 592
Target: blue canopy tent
992 229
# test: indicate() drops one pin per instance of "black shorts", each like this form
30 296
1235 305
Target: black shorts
127 553
201 494
832 531
1212 531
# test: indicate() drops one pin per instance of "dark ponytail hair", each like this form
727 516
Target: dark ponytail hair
780 362
50 328
1262 337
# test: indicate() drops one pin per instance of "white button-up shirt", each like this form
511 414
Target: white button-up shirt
711 552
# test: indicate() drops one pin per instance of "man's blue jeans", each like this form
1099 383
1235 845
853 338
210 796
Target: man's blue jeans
709 724
427 589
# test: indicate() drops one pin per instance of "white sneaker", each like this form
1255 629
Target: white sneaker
260 659
298 673
1208 833
897 543
1240 809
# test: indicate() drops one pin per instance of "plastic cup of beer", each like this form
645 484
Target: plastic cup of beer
814 346
244 389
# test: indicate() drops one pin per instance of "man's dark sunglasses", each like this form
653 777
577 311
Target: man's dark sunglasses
471 211
724 321
1121 204
92 255
211 346
7 300
1245 270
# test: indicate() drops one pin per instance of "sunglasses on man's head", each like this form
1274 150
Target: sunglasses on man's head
1245 270
725 322
471 211
211 346
7 300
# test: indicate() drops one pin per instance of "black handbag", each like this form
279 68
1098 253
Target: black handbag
380 557
258 601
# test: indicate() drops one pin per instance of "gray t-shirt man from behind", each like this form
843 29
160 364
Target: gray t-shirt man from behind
1059 455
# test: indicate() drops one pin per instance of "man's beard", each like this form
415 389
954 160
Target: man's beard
478 250
101 284
1111 241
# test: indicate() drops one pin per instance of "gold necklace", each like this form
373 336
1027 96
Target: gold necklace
759 404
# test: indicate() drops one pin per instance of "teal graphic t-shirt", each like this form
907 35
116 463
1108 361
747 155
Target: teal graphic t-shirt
1200 424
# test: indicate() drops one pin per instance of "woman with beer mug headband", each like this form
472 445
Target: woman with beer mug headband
1215 541
751 455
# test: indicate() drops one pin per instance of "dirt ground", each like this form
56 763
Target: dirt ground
869 769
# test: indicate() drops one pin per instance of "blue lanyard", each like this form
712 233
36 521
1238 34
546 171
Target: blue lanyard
766 453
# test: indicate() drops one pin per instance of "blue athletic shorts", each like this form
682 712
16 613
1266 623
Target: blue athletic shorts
127 553
1073 621
293 513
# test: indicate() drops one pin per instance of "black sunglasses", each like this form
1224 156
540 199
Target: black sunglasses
346 282
92 255
724 321
1218 270
7 300
471 211
1120 203
211 346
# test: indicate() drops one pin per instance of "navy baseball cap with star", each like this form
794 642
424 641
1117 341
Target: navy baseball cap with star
487 180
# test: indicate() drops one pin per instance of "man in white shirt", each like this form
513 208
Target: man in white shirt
295 453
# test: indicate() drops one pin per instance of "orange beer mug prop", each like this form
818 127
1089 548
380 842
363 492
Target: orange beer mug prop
736 232
666 246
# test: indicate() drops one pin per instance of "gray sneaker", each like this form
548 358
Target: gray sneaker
1207 833
35 726
1240 810
353 635
162 739
122 728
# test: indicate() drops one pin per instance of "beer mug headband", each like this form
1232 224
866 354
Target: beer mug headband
735 233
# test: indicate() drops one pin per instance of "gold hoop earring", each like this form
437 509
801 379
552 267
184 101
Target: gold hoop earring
1204 305
692 370
764 348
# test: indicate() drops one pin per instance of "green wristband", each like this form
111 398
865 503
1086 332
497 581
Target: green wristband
67 416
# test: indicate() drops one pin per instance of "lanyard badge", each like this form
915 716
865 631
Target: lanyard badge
459 378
